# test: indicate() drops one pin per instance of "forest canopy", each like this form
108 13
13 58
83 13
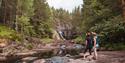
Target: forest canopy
35 18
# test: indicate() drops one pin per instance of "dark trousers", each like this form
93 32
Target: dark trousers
88 48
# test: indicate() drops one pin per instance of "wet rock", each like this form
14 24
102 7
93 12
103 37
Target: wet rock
72 49
57 59
78 46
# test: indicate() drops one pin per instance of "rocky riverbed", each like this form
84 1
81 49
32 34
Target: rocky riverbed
103 57
49 54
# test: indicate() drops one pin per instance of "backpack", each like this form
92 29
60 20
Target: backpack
97 42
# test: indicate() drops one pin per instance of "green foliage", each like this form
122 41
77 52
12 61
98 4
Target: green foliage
115 46
104 17
29 46
27 17
35 18
24 13
79 40
8 33
114 24
5 31
47 40
26 27
112 29
26 7
41 19
98 11
77 19
61 18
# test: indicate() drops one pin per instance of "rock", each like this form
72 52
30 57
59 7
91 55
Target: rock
29 59
2 45
58 59
3 59
40 61
22 55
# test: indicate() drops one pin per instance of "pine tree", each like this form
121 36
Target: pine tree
41 18
77 19
23 13
104 17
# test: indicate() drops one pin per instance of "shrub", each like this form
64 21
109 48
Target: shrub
6 32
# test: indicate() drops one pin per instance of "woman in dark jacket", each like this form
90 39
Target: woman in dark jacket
88 44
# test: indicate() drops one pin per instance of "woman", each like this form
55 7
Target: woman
95 45
88 44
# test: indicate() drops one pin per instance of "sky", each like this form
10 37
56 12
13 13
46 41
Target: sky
65 4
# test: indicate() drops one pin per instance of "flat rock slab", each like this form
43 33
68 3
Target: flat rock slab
3 59
26 53
81 61
28 59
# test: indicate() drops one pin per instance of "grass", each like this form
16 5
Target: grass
5 31
8 33
47 40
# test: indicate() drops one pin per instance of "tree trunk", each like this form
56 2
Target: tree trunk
0 3
4 11
16 16
123 8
